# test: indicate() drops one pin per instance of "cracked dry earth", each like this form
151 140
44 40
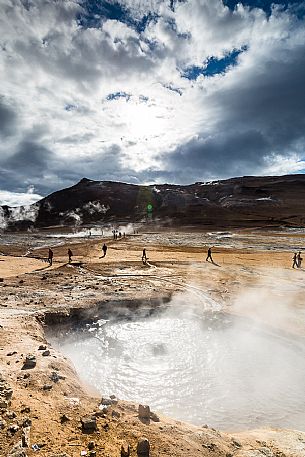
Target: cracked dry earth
44 408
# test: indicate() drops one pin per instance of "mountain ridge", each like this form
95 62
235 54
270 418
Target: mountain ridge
247 201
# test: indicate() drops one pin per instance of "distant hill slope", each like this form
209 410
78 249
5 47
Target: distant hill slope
238 202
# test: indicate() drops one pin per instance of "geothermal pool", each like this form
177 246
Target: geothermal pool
200 368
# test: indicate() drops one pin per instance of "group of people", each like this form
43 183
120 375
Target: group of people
51 255
297 260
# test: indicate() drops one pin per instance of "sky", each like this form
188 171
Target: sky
148 91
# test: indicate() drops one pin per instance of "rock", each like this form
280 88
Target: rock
25 437
13 428
154 417
92 454
125 450
55 377
2 424
143 447
42 347
109 401
30 362
47 387
11 414
4 404
25 409
91 445
17 451
64 418
89 424
46 353
144 411
27 422
115 414
236 443
9 354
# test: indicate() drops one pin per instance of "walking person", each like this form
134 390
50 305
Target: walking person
295 260
299 260
50 257
209 256
70 254
104 249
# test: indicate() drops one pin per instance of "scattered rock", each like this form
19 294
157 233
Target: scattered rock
125 450
154 417
42 347
47 387
64 418
55 377
115 414
89 424
25 437
9 354
46 353
4 404
25 409
11 414
30 362
91 445
2 424
236 443
13 428
109 401
144 412
92 454
17 451
27 422
143 447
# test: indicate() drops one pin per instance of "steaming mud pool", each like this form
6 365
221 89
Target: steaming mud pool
200 368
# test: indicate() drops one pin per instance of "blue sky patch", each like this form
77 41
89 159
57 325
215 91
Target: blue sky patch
95 10
213 66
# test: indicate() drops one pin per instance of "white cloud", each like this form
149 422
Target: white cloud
18 198
56 76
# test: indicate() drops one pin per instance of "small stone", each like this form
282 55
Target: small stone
13 428
27 422
25 409
89 424
25 437
154 417
64 418
125 450
115 414
236 443
92 454
30 362
2 424
4 404
143 447
42 347
46 353
47 387
144 411
11 414
9 354
107 401
91 445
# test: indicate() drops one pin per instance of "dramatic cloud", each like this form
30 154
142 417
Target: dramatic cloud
149 91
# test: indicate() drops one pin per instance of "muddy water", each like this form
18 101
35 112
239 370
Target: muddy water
201 368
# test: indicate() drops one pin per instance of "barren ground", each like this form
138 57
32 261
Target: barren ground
251 276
